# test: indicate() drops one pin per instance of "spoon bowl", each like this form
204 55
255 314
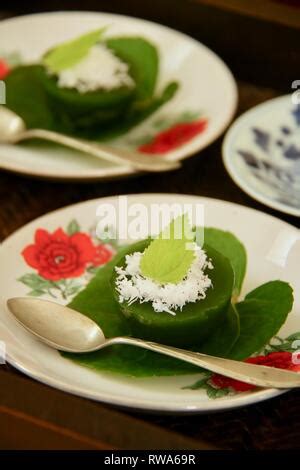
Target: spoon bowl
60 327
11 125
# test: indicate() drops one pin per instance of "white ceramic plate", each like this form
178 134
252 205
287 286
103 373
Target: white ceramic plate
161 394
207 88
261 153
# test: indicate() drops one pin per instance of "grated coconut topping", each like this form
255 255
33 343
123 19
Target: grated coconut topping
132 286
100 69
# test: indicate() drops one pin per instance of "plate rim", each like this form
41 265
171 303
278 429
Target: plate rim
125 170
147 406
231 168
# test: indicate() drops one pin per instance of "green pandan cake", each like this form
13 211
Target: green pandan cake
84 110
200 309
87 83
90 81
188 325
94 86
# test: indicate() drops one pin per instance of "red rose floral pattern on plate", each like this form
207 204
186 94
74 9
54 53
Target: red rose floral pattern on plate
174 137
167 133
63 261
280 353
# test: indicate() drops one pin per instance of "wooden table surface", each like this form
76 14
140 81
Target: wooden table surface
33 415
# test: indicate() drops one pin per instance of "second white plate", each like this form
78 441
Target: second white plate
207 90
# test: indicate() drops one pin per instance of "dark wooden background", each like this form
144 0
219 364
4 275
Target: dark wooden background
264 55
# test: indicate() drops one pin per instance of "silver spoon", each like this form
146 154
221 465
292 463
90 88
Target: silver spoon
68 330
13 130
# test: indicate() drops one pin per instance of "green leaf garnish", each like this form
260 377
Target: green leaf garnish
143 60
262 314
26 96
168 258
69 53
227 244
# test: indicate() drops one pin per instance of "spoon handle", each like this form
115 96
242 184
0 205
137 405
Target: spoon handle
258 375
114 155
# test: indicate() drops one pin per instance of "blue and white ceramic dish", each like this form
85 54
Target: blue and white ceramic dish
261 152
